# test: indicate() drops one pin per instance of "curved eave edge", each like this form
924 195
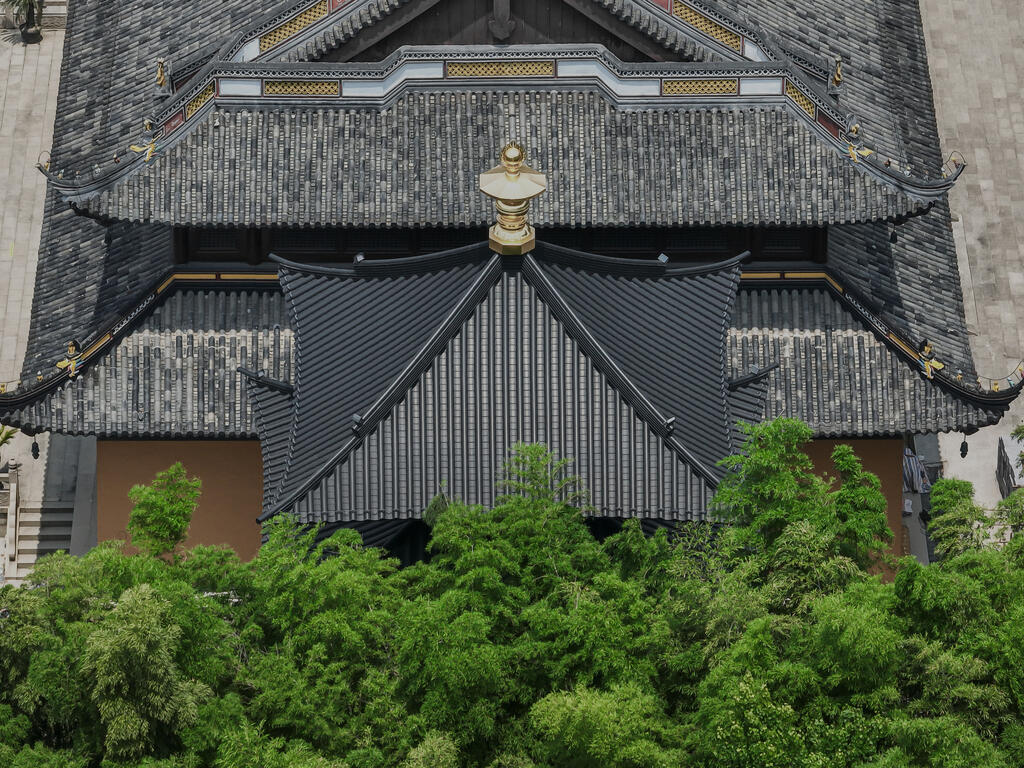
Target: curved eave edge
626 86
99 342
996 397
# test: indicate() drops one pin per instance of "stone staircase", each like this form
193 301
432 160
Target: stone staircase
28 533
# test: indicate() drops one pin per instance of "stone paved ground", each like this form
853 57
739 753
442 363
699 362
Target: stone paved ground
976 54
29 76
28 103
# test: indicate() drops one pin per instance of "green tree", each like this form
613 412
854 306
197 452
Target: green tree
163 510
6 435
129 667
525 643
958 524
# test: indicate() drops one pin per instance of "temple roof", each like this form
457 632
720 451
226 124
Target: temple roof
416 375
91 275
398 142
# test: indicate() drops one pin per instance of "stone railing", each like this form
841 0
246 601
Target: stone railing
9 508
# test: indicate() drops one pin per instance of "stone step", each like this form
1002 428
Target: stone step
30 534
55 14
51 515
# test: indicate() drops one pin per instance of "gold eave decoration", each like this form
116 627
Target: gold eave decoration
512 185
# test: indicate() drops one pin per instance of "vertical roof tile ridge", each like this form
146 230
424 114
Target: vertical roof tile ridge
292 487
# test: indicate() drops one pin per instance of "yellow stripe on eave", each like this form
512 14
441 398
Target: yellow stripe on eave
248 276
903 345
92 348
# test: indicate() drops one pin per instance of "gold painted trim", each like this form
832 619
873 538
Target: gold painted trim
165 284
92 348
903 345
500 68
197 103
800 98
248 276
760 275
294 25
301 88
709 27
701 87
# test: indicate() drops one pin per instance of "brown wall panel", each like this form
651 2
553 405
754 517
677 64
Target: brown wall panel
885 459
231 494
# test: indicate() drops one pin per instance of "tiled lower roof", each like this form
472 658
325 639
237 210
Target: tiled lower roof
834 373
175 374
411 165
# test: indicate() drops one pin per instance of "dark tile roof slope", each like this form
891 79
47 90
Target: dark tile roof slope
834 373
86 275
353 338
174 374
636 14
512 373
888 86
414 164
446 384
668 335
914 283
106 89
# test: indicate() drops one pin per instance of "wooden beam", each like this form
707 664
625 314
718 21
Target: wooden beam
620 29
372 35
501 23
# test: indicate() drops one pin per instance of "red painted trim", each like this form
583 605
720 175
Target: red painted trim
666 4
173 122
829 124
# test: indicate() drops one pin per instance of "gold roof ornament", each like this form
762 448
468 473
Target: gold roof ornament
513 184
837 72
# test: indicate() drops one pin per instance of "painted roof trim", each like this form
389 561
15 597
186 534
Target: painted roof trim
671 85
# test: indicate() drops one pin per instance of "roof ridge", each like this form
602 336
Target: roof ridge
362 267
633 267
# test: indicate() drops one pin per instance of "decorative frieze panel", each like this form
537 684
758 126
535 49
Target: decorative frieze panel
718 87
800 98
294 25
500 68
301 88
707 26
198 101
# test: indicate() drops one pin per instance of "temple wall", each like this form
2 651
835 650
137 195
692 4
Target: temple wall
883 457
231 472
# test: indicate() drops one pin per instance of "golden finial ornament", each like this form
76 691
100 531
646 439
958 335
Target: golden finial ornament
512 185
837 73
161 74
